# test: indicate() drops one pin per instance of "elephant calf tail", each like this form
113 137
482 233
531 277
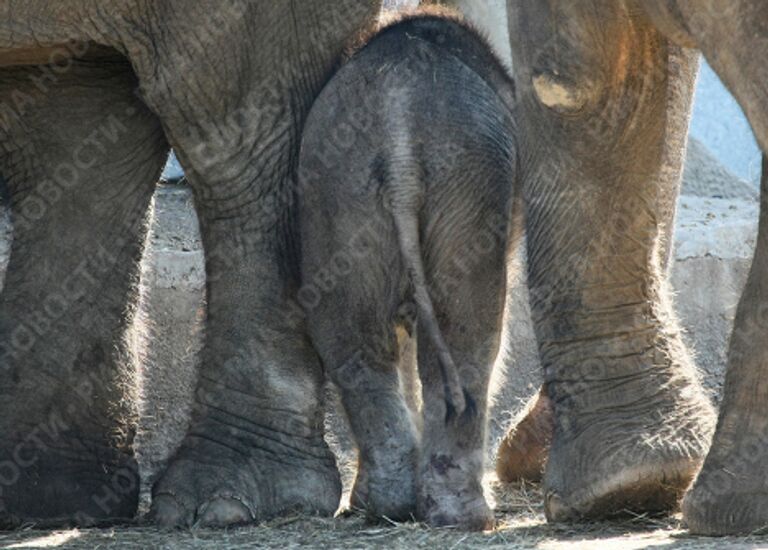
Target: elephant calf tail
406 218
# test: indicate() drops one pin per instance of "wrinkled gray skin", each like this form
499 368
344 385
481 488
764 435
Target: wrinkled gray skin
604 91
228 85
409 153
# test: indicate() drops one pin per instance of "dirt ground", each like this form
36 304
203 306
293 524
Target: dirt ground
521 524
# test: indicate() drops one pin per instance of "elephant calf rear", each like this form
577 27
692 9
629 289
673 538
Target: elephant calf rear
407 182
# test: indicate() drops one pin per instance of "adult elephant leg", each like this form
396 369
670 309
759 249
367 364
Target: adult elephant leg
730 494
523 452
255 447
80 162
601 93
731 35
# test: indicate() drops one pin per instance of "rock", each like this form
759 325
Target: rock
175 251
725 229
173 172
517 375
719 123
704 176
399 4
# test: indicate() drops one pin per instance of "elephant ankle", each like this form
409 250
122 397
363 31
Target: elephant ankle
650 373
730 493
71 484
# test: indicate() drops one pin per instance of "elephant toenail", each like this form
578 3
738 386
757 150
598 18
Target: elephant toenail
224 512
167 513
555 507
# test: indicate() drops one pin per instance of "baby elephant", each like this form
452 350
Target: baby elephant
407 183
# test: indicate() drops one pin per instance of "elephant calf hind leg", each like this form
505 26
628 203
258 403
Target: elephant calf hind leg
468 284
383 428
80 164
354 330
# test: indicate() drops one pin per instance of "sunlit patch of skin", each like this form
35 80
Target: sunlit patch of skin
556 94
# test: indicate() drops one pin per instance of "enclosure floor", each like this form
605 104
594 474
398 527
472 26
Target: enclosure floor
521 524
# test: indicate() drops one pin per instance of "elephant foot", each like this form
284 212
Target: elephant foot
451 495
730 494
619 463
523 452
741 510
471 514
449 506
209 484
651 488
387 492
78 488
